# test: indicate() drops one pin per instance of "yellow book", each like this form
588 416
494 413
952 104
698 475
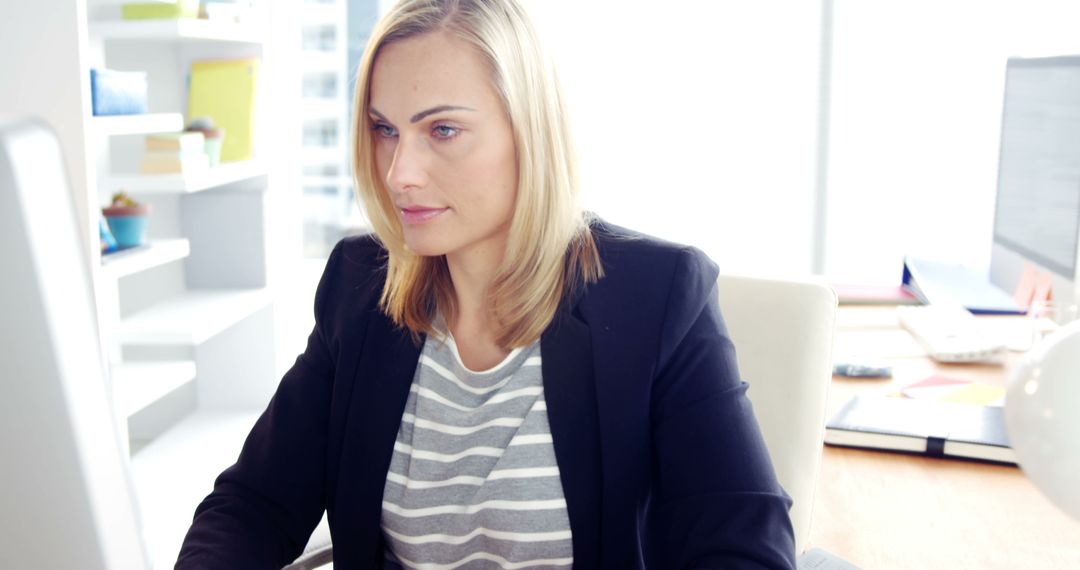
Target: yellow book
224 90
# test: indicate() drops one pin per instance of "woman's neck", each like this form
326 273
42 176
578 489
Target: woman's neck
473 325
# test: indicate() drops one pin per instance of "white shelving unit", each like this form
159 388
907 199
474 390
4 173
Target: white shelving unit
191 318
140 384
187 319
153 254
138 124
173 30
216 177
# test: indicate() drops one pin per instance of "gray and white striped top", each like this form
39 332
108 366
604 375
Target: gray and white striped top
473 481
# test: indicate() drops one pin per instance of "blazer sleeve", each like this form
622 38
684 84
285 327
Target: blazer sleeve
717 501
263 509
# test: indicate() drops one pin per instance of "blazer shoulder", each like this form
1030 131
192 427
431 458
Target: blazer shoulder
650 286
353 277
631 255
363 250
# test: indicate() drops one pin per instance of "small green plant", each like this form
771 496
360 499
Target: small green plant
122 199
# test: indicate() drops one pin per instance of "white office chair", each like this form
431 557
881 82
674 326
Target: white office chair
783 335
318 552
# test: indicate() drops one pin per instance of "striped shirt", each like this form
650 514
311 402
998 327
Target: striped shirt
473 481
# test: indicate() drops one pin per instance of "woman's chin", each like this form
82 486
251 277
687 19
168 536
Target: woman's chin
425 248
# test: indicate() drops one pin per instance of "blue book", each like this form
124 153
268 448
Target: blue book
117 92
938 282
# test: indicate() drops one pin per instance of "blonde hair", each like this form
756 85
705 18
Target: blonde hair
550 249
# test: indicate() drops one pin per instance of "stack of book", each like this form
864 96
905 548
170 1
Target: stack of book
161 10
175 153
226 10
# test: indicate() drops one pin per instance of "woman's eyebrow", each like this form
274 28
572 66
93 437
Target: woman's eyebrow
420 116
438 109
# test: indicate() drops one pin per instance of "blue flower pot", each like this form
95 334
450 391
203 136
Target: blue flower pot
129 231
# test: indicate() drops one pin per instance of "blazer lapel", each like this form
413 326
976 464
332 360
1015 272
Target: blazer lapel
381 380
570 392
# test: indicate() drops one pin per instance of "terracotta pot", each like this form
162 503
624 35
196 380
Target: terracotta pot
118 211
127 223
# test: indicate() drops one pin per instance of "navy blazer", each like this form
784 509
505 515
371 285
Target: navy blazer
660 456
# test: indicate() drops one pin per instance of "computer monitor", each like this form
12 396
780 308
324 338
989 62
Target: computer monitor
65 495
1037 214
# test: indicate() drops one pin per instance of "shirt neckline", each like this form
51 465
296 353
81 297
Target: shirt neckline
457 356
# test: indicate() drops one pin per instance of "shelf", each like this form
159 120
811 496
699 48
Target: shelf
136 385
226 173
188 29
145 124
192 318
150 255
173 473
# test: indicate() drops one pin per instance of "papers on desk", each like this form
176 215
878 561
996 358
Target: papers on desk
848 294
955 390
953 284
929 427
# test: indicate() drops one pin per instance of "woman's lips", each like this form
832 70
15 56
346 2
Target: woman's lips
417 215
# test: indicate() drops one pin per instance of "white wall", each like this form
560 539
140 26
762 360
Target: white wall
40 77
916 111
696 119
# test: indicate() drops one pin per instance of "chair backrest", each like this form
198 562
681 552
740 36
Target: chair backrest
783 335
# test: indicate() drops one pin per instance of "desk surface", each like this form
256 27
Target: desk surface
891 510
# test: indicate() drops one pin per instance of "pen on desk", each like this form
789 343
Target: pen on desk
855 370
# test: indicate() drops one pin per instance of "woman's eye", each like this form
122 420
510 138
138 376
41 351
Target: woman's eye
444 132
383 130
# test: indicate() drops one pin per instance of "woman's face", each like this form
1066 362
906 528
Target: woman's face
444 146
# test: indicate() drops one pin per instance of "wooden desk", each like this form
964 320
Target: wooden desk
889 510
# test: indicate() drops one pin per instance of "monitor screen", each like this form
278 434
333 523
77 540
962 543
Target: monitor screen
65 491
1038 195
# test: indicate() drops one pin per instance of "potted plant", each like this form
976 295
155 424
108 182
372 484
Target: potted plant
214 136
127 220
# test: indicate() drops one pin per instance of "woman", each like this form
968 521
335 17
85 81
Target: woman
493 380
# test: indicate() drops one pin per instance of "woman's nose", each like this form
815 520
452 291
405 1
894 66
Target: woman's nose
408 169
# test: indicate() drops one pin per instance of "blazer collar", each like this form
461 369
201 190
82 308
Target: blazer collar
570 393
382 380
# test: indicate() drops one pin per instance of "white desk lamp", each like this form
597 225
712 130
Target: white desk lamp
1042 415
